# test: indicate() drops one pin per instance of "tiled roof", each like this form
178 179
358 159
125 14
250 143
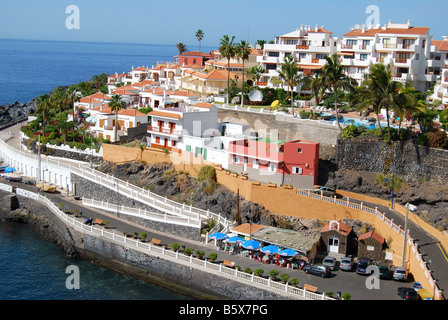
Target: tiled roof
203 105
343 228
373 32
90 99
371 234
131 112
165 114
215 75
442 45
245 228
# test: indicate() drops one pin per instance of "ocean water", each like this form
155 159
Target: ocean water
31 68
30 268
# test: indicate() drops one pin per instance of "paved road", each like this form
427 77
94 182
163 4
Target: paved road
432 253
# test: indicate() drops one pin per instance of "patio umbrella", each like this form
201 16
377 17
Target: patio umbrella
251 244
218 236
270 249
234 239
288 253
9 170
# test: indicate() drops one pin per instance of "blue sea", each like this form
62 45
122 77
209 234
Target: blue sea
30 268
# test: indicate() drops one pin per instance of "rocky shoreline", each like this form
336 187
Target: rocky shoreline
10 114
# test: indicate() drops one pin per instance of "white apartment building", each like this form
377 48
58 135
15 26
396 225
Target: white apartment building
309 47
438 64
168 125
404 47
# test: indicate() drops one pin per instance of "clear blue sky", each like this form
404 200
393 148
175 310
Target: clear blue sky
173 21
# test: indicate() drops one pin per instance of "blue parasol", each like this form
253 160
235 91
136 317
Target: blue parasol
251 244
288 253
234 239
9 170
270 249
218 236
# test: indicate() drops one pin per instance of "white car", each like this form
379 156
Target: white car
330 262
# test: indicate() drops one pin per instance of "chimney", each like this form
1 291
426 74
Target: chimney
317 28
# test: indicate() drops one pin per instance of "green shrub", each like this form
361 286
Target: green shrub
346 296
273 273
200 254
294 281
207 173
175 246
437 139
350 132
248 270
213 256
284 277
259 272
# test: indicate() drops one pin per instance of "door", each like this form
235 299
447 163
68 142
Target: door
245 164
333 245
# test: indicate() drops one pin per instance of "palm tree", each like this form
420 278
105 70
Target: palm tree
255 72
99 80
406 102
85 88
181 47
72 96
227 50
199 35
334 79
243 51
43 103
290 73
116 104
58 100
314 82
380 92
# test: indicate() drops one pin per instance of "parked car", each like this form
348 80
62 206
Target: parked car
385 272
400 274
346 264
363 263
408 293
318 270
330 262
326 191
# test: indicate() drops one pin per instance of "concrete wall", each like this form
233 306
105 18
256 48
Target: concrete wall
283 127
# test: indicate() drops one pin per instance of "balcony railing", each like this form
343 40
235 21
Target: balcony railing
400 60
302 47
164 130
346 46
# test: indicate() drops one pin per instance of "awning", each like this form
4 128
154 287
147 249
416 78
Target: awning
346 53
307 67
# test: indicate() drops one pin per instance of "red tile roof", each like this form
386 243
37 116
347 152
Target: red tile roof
371 234
165 114
373 32
442 45
343 228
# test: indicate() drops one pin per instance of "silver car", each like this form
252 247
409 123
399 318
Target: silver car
329 262
347 264
400 274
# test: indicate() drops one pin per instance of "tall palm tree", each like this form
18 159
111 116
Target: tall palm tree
44 105
99 80
85 88
314 82
181 47
116 104
381 92
227 49
290 73
243 51
58 100
72 96
334 79
199 35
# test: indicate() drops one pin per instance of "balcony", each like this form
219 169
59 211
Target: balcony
302 47
153 129
347 46
402 61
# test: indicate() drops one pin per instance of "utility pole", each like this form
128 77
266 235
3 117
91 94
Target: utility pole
39 159
238 207
403 259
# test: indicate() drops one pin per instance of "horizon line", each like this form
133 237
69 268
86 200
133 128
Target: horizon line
108 42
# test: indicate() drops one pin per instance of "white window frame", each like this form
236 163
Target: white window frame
255 164
297 170
272 167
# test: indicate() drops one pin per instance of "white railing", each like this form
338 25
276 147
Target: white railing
5 187
147 197
143 213
162 252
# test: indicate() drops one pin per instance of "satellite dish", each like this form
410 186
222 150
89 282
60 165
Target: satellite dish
357 27
255 95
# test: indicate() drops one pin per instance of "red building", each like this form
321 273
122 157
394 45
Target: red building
193 58
268 160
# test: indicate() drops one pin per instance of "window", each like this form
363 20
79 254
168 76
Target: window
417 56
188 148
235 159
352 42
274 54
293 42
297 170
255 164
299 150
366 42
272 167
321 56
271 66
363 57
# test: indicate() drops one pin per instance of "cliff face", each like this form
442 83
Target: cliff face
421 174
16 112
